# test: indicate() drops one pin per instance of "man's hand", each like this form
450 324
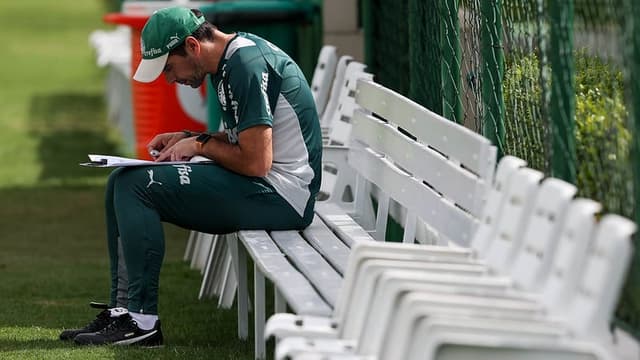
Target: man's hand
163 142
183 150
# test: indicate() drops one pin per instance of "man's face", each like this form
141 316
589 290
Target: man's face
185 70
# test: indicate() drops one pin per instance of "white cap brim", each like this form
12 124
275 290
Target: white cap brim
150 69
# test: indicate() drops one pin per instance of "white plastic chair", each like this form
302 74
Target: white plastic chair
543 226
323 75
338 178
589 310
339 121
567 266
334 94
592 306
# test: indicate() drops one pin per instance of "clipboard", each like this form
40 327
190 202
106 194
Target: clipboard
106 161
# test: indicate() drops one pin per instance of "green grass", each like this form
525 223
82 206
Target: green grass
53 255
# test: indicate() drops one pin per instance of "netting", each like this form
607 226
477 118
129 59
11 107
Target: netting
547 81
390 60
604 124
524 86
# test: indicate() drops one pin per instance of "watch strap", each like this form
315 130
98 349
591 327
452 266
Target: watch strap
189 133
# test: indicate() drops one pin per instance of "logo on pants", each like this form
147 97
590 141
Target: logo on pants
151 181
183 173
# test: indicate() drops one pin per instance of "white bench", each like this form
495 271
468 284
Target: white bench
437 172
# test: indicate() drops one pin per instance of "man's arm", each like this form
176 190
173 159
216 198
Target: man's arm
251 156
221 136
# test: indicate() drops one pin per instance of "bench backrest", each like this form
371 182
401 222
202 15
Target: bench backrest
437 170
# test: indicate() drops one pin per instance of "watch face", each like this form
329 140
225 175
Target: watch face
203 138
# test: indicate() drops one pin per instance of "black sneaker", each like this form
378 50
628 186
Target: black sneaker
100 322
123 330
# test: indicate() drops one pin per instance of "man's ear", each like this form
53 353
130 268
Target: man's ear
192 45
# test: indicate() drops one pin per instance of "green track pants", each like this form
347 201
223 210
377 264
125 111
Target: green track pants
202 197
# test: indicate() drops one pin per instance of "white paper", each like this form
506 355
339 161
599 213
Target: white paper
118 161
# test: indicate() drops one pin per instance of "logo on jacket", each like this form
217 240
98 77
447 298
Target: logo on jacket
222 98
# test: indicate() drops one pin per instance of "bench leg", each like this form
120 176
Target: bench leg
188 251
280 304
194 251
382 217
239 255
209 272
259 312
409 234
228 292
221 256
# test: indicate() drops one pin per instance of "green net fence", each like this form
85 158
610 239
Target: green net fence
552 82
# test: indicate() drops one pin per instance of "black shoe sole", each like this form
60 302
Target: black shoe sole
154 341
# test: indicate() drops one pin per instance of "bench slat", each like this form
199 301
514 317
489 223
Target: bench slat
445 176
327 244
342 224
298 292
471 149
454 223
325 278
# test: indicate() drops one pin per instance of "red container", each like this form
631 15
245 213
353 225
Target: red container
156 105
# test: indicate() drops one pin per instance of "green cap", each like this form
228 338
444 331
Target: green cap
166 29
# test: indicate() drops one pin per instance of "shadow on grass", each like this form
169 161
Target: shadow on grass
34 344
67 126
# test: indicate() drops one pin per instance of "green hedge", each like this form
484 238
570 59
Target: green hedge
602 135
603 140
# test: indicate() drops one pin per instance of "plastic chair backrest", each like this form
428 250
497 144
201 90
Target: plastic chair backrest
340 128
340 121
495 200
323 76
414 310
569 258
334 93
521 194
531 263
606 265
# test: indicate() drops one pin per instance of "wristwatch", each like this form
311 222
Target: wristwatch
202 139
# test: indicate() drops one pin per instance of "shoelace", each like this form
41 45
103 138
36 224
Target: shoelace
100 321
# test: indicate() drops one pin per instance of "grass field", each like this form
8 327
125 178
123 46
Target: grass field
53 256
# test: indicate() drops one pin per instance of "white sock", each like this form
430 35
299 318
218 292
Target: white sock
144 321
118 311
